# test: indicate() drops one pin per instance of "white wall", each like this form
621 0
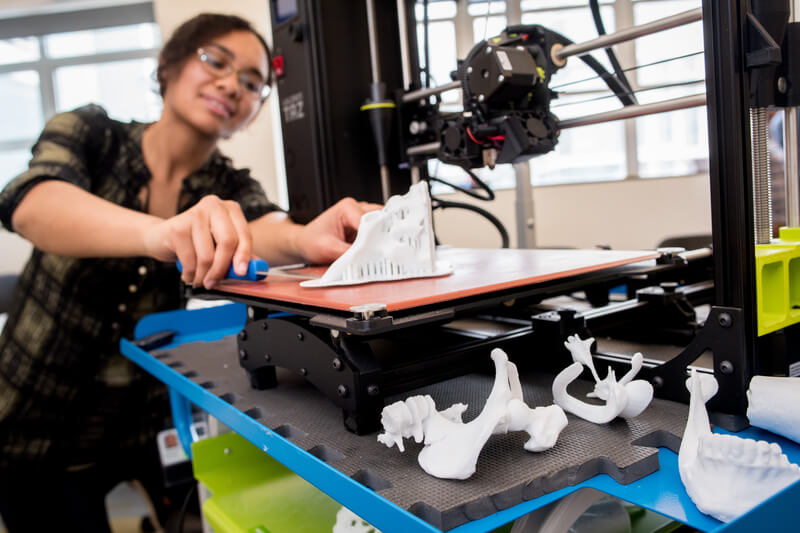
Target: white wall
630 214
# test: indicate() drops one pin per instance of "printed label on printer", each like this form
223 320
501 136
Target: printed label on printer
292 107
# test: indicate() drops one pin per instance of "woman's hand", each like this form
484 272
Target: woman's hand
205 238
329 235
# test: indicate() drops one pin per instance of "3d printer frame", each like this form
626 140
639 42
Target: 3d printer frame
736 62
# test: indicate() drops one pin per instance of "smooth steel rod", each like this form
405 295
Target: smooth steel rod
425 93
633 111
627 34
373 42
791 168
428 148
790 148
405 56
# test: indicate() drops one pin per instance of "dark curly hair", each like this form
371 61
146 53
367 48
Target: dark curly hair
196 32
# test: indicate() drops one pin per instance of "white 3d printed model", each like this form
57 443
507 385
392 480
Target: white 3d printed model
392 244
768 401
726 475
349 522
626 398
451 446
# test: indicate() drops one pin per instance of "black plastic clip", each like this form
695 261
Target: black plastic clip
155 340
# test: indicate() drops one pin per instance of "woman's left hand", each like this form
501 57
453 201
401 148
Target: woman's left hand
328 236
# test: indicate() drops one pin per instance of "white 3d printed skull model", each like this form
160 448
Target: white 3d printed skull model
392 244
451 446
625 398
726 475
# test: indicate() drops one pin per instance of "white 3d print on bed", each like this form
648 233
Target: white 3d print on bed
727 475
451 445
626 398
392 244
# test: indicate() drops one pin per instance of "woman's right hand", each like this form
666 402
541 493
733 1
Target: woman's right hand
206 239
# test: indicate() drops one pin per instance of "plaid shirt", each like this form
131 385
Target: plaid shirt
66 393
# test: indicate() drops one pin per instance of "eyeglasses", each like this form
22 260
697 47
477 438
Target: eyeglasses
219 63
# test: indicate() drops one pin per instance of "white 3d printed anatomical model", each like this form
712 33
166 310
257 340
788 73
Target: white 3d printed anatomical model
768 405
726 475
349 522
392 244
625 398
451 446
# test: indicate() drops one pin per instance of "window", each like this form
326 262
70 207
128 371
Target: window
662 66
683 133
59 62
590 153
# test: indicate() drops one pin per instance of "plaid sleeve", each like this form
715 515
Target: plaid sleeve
64 151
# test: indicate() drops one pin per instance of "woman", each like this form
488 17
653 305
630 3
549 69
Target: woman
109 207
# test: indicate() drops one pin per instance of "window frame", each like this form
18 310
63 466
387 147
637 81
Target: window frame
39 26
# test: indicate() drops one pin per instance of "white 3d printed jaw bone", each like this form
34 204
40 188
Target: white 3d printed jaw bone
726 475
451 446
394 243
626 398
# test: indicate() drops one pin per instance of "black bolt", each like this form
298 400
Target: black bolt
342 391
658 382
668 287
567 314
726 367
264 325
373 390
243 335
336 363
242 354
303 372
267 357
725 320
299 336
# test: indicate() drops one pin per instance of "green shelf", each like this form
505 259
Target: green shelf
253 493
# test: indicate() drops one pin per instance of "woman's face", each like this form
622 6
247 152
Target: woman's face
218 91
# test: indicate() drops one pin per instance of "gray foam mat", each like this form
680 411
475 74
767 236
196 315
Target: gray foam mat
506 474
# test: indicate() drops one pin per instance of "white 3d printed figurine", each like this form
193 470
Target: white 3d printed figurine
392 244
349 522
768 405
451 446
726 475
625 398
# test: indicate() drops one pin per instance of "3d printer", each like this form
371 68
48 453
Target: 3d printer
506 118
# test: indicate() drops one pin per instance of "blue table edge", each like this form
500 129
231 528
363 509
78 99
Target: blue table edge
661 491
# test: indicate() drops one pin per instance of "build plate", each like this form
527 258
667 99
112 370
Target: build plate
476 272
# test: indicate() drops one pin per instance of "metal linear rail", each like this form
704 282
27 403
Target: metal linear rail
632 111
628 34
